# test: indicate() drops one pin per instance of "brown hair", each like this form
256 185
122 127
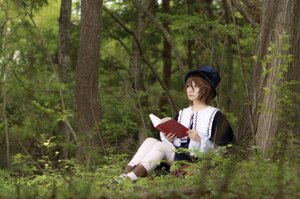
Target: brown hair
205 89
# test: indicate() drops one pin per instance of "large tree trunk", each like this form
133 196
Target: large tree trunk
265 123
64 59
87 71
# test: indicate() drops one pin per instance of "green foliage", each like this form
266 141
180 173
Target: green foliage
23 164
213 175
34 107
119 121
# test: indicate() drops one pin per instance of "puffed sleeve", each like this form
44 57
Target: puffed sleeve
222 133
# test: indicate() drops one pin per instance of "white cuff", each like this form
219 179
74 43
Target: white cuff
177 142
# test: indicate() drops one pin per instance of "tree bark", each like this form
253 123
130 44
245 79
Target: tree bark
64 58
87 71
279 18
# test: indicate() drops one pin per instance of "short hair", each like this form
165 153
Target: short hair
205 88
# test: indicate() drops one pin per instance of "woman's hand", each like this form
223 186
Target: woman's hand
171 137
193 135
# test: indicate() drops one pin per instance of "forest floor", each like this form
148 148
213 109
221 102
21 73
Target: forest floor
214 176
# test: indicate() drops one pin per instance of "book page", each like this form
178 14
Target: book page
168 125
164 120
157 121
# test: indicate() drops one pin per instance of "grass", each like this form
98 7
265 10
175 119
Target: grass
214 176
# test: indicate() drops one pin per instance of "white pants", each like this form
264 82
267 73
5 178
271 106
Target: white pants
151 153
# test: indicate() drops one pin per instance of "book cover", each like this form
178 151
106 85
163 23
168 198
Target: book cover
168 125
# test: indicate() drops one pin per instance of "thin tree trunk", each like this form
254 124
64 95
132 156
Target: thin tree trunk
166 56
227 67
137 69
190 41
87 81
189 62
64 59
7 142
4 73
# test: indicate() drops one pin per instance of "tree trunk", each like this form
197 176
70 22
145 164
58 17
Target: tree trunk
137 69
294 71
226 67
190 41
279 18
4 74
64 59
87 71
166 55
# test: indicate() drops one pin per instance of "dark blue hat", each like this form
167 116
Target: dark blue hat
209 73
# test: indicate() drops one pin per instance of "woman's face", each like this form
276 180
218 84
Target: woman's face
192 91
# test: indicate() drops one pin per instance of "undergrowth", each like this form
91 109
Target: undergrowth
213 176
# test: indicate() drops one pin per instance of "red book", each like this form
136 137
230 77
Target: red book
168 125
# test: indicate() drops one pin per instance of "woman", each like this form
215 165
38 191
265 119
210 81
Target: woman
208 127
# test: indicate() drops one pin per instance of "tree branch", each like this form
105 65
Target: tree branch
120 22
165 33
244 13
27 153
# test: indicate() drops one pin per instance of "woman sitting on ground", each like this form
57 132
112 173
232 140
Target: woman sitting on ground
209 128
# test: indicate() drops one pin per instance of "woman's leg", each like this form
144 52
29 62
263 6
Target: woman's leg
148 156
160 151
143 150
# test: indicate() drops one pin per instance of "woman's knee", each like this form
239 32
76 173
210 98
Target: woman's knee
166 151
163 146
151 141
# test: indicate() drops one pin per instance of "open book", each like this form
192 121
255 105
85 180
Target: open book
168 125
